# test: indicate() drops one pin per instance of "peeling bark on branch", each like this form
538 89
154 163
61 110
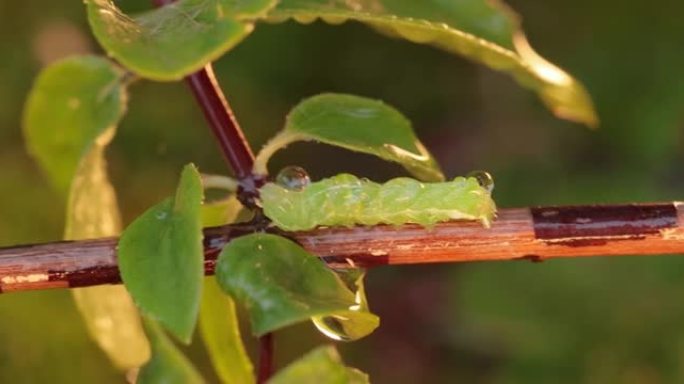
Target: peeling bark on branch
528 233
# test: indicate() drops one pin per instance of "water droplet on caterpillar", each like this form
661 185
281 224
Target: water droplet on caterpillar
293 178
332 327
485 179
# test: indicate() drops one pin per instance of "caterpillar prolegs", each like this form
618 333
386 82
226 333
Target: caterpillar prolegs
346 200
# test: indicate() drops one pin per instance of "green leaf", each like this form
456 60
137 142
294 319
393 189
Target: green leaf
175 40
279 282
354 323
72 104
322 365
168 365
69 119
483 31
221 334
161 258
359 124
109 313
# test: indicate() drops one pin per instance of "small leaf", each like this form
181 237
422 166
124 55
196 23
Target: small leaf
113 322
109 313
71 106
359 124
161 258
322 365
175 40
221 334
279 282
354 323
483 31
69 119
168 365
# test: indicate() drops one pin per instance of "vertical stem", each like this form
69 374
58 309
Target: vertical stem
222 121
239 156
266 346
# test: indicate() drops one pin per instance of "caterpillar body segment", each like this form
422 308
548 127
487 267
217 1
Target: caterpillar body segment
346 200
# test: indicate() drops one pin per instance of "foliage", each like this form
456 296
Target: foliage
277 281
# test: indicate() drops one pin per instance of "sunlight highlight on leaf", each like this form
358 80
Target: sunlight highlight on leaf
486 32
221 334
109 313
69 120
356 123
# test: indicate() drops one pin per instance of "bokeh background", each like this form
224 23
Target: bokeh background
592 320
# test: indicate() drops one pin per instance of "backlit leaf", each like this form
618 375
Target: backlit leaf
359 124
322 365
109 313
70 118
483 31
221 334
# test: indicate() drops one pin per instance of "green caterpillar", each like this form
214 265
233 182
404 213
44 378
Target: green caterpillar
345 200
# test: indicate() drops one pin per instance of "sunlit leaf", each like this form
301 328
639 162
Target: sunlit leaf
322 365
358 124
72 104
278 282
161 258
175 40
221 334
69 119
483 31
109 313
168 365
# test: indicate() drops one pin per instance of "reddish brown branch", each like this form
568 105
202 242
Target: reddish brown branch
535 234
222 121
266 366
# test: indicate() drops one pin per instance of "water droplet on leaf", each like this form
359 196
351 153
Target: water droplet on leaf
293 178
485 179
357 321
332 326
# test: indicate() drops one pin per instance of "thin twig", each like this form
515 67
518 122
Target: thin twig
266 366
222 121
527 233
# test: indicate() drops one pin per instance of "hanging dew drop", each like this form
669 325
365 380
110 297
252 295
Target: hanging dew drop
332 327
293 178
485 179
357 321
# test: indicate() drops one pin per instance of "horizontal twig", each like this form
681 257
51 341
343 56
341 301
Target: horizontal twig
528 233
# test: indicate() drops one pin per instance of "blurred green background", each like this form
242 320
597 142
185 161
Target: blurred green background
594 320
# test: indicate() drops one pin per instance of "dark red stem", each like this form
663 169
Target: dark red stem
266 343
225 127
222 121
